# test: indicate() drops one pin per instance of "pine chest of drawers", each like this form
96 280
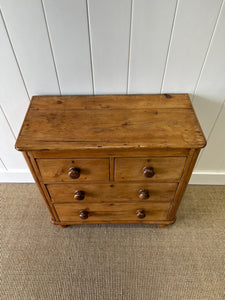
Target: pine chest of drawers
111 158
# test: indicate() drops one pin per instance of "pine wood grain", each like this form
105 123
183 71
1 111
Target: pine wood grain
109 153
130 126
56 170
30 162
112 211
192 158
116 192
111 159
112 101
165 168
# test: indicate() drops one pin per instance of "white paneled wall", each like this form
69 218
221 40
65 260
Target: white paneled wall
114 46
210 89
68 29
27 30
150 36
193 28
109 23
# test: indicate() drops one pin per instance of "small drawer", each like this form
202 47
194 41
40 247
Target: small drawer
118 192
74 170
106 212
149 168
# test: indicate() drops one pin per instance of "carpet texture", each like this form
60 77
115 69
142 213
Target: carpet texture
112 262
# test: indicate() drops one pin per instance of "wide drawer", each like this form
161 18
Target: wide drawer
149 168
120 192
74 169
112 212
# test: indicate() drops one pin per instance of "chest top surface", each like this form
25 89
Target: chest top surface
110 121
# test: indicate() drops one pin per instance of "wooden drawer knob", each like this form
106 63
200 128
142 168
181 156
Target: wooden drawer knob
79 195
143 194
140 213
74 173
83 214
148 172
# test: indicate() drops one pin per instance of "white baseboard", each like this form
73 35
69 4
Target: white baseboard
17 176
207 178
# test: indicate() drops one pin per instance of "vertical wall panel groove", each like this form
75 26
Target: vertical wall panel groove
210 92
129 46
193 29
26 26
10 127
2 166
169 45
49 39
109 31
68 32
12 159
216 119
13 51
90 47
151 30
14 97
213 156
207 51
209 136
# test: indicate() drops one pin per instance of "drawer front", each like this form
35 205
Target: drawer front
74 170
149 168
120 192
112 212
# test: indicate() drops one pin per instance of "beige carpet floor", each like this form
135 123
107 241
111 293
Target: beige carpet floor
112 262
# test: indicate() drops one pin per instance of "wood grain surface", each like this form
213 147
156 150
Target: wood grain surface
141 101
112 211
90 169
140 126
111 159
109 152
116 192
165 168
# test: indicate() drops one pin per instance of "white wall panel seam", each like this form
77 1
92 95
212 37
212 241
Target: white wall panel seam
210 133
129 45
109 33
213 156
12 158
51 49
207 52
3 164
27 29
217 117
169 45
14 53
90 46
8 122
